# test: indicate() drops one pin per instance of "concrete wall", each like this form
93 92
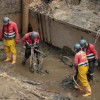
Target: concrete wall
33 21
12 9
60 34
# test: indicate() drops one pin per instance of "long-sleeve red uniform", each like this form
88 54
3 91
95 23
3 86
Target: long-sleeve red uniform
29 40
10 31
91 52
80 59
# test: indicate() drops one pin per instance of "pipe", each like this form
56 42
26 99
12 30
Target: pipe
25 12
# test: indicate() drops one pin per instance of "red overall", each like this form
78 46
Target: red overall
91 56
30 41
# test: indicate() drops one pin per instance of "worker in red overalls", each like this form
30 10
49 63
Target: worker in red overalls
10 35
81 62
30 38
91 56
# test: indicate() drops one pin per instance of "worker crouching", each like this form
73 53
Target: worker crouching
28 39
80 61
10 35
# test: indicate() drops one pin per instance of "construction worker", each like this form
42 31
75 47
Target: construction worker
91 56
10 35
30 38
81 62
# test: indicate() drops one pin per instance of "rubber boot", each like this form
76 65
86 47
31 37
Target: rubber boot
14 59
78 87
8 57
24 61
88 92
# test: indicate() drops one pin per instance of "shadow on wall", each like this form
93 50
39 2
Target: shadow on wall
69 50
29 28
47 1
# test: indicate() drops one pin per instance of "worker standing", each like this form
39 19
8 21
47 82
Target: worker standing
91 56
10 35
81 62
28 39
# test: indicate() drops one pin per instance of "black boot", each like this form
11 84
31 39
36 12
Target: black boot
24 61
38 61
89 77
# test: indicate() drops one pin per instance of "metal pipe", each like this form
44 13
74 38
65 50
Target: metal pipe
25 12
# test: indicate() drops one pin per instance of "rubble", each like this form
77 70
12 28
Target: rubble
13 89
82 13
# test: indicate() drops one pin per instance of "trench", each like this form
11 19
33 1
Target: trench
57 71
49 29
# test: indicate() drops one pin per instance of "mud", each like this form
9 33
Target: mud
50 83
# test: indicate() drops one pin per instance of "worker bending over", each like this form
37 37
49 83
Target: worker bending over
10 35
28 39
81 62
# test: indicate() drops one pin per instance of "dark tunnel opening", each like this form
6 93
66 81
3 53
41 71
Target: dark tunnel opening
30 28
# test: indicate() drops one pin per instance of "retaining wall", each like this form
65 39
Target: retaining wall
59 33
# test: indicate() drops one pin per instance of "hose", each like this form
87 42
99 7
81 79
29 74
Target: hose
75 81
65 62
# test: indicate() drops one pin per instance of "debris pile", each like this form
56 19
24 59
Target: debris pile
59 97
13 89
67 83
85 14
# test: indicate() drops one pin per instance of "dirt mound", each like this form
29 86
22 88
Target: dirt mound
13 89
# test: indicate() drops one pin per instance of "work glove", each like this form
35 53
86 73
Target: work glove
96 62
17 41
35 44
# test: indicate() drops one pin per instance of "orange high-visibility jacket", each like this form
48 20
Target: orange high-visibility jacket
80 59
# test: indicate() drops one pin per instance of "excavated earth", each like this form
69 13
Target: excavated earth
85 14
44 86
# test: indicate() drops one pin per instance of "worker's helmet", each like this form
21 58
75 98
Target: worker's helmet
77 47
83 43
33 35
6 20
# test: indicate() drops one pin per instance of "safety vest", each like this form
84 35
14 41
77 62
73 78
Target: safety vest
83 59
9 36
91 52
10 31
90 56
80 59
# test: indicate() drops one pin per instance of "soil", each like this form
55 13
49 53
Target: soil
85 14
13 88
